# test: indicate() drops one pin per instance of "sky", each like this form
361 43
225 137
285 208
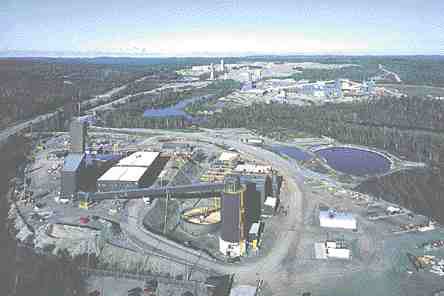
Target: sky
223 27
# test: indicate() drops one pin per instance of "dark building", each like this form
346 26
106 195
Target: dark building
231 210
232 238
263 184
241 207
276 184
70 110
72 166
219 285
252 206
78 133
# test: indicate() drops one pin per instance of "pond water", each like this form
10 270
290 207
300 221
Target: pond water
355 161
175 110
292 152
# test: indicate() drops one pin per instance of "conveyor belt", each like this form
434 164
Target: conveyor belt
201 190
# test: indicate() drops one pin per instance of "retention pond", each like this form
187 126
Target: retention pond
355 161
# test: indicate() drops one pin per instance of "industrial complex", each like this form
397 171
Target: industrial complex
214 212
240 193
270 82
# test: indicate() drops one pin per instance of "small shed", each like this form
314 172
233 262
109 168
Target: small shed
330 218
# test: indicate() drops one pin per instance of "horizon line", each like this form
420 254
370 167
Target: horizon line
104 54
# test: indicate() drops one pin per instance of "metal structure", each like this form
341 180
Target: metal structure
232 238
78 133
201 190
72 166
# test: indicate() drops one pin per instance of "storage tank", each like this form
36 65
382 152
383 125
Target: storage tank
232 238
201 220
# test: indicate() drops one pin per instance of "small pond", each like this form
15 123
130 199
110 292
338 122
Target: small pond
175 110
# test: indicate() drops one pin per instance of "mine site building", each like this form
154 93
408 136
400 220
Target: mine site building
263 184
338 253
253 169
269 207
120 178
253 235
72 166
135 171
229 159
332 219
254 141
240 209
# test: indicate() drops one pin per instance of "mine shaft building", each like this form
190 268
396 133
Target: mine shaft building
78 131
74 162
263 184
72 166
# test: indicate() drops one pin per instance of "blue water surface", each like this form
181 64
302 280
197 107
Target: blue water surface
355 161
173 111
292 152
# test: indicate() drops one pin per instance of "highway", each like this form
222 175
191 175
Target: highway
18 127
126 99
103 102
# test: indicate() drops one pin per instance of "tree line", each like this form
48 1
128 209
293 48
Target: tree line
410 127
131 115
29 87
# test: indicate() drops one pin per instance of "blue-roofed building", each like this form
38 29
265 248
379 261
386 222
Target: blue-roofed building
72 166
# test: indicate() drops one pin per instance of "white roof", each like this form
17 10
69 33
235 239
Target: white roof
140 158
253 168
338 253
331 218
128 174
271 202
392 209
243 290
254 228
228 156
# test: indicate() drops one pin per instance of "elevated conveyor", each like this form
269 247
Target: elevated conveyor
200 190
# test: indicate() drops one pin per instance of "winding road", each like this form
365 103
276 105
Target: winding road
267 265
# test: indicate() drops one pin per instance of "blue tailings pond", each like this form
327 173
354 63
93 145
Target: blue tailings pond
355 161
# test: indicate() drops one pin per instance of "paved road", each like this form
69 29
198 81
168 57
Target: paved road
126 99
9 131
16 128
103 98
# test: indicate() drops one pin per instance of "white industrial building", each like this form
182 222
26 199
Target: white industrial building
338 253
331 249
332 219
123 174
253 169
134 171
140 158
235 249
229 158
269 207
